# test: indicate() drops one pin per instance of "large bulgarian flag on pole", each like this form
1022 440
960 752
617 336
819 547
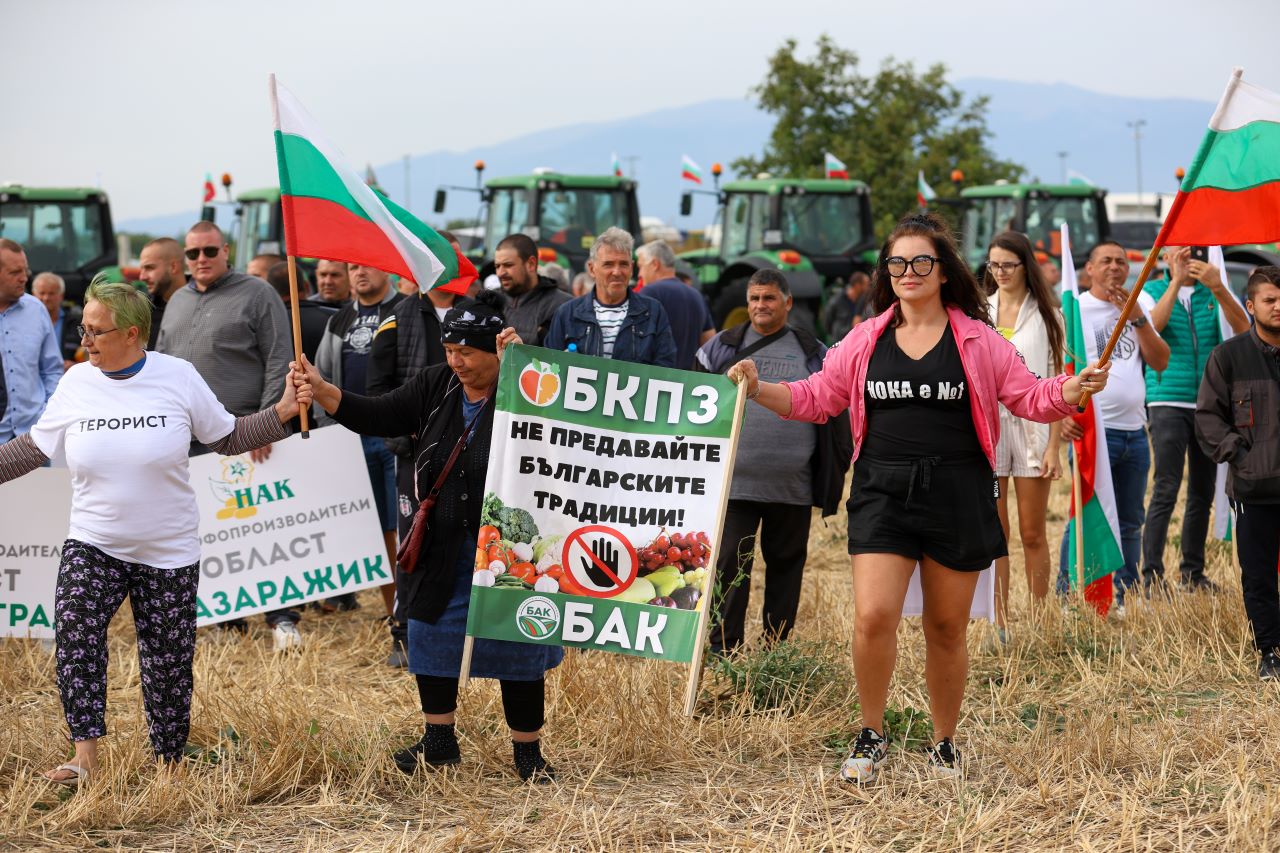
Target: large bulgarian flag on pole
1231 193
330 212
1096 516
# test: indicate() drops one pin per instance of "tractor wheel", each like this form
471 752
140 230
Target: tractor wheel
729 308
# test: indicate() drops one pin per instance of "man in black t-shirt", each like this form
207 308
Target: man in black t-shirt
343 359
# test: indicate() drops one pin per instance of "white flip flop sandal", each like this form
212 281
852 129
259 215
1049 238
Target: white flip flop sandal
79 774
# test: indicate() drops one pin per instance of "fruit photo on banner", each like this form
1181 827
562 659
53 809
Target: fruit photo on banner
603 503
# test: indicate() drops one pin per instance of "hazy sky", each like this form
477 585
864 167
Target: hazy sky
145 96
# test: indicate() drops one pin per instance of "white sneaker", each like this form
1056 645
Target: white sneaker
287 636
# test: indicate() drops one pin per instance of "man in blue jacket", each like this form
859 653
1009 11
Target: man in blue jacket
613 321
1191 302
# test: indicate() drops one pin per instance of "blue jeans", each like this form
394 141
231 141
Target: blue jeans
1130 459
382 476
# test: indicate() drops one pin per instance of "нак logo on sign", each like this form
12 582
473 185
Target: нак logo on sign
537 617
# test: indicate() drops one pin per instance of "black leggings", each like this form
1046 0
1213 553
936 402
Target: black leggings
522 701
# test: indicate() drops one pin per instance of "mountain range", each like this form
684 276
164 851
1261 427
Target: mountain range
1030 124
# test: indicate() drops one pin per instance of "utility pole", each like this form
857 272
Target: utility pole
407 204
1062 157
1137 125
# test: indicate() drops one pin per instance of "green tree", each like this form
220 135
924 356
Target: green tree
884 127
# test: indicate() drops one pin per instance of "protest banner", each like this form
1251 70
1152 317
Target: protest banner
273 534
605 498
32 530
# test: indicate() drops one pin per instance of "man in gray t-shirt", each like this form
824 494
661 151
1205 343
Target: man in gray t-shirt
784 467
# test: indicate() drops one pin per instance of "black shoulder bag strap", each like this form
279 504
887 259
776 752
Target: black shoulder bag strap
757 346
407 556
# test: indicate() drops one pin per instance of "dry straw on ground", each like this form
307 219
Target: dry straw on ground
1148 734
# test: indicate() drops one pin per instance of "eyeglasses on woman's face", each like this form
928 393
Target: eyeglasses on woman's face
921 265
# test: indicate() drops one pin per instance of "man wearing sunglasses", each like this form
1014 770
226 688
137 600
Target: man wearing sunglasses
233 328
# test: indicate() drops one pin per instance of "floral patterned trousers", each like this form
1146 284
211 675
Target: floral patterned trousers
91 587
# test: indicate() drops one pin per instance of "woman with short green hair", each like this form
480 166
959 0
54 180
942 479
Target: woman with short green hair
125 420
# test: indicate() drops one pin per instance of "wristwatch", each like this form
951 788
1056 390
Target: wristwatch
1139 321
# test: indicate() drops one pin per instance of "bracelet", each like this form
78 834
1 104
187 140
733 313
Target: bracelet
752 396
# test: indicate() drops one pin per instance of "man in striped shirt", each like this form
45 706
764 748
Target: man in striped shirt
613 321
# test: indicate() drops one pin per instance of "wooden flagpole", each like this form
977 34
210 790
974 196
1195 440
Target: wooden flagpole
709 582
303 414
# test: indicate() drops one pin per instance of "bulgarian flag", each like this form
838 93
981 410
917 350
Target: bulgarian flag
331 213
617 166
833 167
690 170
1099 518
924 192
208 187
1231 193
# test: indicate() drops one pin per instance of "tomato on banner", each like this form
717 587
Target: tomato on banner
599 560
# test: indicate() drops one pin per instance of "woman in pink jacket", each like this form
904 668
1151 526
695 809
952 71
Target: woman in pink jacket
923 379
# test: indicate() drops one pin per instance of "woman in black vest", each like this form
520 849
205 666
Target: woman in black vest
448 406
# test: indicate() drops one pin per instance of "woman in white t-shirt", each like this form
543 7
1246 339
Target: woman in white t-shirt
1027 312
125 421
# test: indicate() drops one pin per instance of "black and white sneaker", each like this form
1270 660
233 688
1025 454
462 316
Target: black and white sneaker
1269 668
944 758
865 758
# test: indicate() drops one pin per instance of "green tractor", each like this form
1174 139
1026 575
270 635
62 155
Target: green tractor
258 227
1037 210
816 231
65 231
563 214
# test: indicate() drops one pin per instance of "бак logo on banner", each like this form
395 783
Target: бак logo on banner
537 617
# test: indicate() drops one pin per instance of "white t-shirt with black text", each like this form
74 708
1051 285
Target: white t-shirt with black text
1124 401
126 442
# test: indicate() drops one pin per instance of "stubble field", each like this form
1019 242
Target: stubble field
1148 734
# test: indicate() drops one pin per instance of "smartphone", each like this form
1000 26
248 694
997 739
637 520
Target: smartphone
1200 253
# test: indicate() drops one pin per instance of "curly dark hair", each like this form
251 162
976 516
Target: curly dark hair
1047 301
960 289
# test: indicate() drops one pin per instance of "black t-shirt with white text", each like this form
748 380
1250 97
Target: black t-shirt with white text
918 407
355 348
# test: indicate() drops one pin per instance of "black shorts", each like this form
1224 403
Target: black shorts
942 509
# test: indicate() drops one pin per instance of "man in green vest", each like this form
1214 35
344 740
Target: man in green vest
1192 303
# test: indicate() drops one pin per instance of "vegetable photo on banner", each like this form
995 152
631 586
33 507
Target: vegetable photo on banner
603 505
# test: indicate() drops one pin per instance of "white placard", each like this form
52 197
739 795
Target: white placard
297 527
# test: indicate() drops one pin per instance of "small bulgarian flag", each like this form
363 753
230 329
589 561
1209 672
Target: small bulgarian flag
1231 193
834 167
1099 517
690 170
331 213
617 166
208 187
924 192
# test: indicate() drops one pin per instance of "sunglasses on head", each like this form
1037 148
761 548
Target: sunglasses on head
209 252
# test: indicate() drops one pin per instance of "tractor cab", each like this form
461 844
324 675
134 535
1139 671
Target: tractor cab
816 232
1037 210
63 231
562 214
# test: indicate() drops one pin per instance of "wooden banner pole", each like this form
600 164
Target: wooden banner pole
303 414
464 671
709 582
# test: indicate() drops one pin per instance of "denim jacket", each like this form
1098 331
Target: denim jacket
645 336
